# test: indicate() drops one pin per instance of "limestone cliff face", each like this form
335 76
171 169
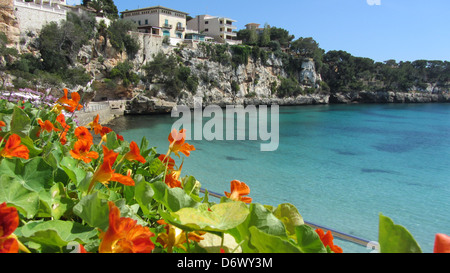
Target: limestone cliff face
254 79
388 97
8 21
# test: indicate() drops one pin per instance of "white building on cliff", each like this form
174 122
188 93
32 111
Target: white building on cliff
220 28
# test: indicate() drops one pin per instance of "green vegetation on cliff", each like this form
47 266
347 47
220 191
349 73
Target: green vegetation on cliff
343 72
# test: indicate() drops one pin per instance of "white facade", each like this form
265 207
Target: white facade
158 20
221 28
34 15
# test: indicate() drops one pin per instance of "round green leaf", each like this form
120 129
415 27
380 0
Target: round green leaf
14 193
34 174
395 238
218 218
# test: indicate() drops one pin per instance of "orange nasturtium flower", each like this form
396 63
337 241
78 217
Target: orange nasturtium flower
178 144
104 131
13 148
442 243
238 190
327 240
95 126
71 104
167 160
82 151
134 153
63 137
172 178
9 221
124 235
46 126
2 124
105 173
83 133
175 237
62 121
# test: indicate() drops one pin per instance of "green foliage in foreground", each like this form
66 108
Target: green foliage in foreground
59 209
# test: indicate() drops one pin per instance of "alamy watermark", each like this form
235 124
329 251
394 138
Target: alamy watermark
221 125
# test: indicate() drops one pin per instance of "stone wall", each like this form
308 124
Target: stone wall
32 17
107 111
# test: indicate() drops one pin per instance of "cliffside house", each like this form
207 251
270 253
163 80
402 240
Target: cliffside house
254 26
220 28
158 20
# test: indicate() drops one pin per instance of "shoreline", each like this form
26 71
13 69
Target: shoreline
153 106
142 105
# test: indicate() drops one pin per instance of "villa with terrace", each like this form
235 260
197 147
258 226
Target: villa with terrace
171 23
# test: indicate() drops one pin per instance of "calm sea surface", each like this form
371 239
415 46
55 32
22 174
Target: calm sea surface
340 165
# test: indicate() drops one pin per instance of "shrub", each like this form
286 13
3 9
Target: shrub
235 87
289 87
120 39
124 71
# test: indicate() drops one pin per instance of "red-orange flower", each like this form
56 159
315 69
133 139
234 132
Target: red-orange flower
178 144
82 151
124 235
134 153
442 243
172 178
9 221
62 121
84 134
2 124
105 173
105 130
46 126
327 240
238 190
95 126
167 160
13 148
71 104
63 137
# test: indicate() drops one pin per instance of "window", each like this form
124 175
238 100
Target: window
166 33
179 35
146 21
139 22
206 22
206 29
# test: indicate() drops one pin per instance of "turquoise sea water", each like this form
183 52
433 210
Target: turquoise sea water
340 165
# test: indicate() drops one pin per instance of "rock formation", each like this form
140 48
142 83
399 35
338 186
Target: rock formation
8 22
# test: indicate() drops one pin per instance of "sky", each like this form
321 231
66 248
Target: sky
403 30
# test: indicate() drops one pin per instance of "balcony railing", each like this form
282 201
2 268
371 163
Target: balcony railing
230 26
180 28
166 26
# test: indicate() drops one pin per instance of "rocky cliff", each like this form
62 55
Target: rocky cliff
8 22
254 80
388 97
